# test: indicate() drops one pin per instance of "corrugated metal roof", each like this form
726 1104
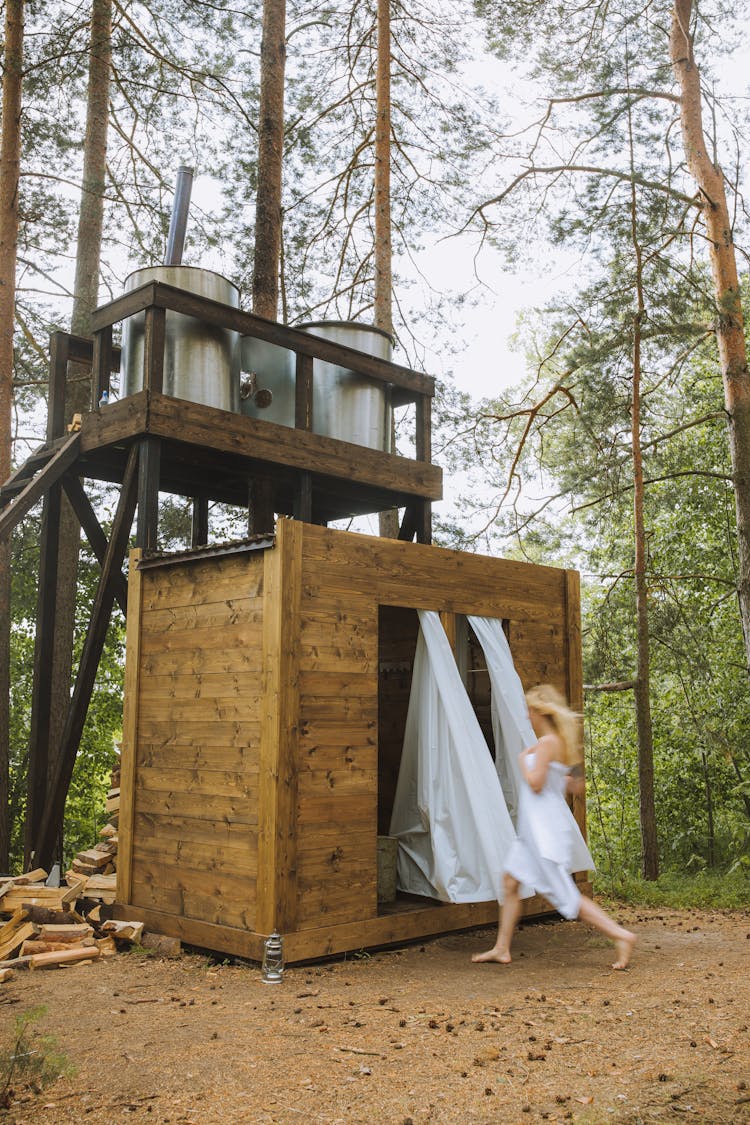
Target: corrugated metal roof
208 551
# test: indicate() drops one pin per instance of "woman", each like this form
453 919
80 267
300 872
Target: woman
542 856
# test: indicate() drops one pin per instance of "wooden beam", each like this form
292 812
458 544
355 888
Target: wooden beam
86 516
155 293
148 493
424 430
408 526
261 512
257 444
250 437
59 348
303 498
276 888
60 461
41 696
101 365
303 393
154 338
54 808
199 522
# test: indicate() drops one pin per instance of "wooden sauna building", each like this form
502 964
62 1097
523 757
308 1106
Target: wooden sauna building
267 681
267 686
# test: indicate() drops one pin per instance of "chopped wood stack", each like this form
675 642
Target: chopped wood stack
49 926
93 871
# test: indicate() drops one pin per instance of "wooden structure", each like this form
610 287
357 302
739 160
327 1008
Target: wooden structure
150 442
267 685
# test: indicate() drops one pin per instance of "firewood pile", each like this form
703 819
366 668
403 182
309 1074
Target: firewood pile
43 926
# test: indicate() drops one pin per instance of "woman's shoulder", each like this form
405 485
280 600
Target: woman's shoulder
552 747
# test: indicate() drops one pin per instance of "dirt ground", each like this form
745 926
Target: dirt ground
409 1036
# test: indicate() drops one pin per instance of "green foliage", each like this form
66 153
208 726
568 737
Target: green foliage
708 890
29 1059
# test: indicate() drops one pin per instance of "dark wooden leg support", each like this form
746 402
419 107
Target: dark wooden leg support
54 808
86 516
199 525
148 494
303 498
36 782
261 518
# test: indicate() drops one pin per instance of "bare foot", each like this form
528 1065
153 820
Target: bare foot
502 956
624 949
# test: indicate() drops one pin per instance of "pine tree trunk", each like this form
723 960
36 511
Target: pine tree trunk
730 334
270 156
642 686
383 250
10 163
78 397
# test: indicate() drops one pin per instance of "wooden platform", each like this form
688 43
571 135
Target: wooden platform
213 453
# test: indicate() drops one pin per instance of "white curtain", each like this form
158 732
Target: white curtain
449 813
511 726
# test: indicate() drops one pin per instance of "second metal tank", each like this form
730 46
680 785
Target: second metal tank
346 406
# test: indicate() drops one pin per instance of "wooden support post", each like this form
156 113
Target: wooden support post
303 497
149 471
86 516
276 894
59 351
408 524
155 331
261 516
303 392
199 522
423 438
49 545
101 366
52 817
41 697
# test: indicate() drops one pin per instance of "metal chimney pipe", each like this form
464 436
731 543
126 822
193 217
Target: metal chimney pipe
178 220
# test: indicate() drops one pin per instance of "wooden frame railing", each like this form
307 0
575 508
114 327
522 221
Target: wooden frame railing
155 298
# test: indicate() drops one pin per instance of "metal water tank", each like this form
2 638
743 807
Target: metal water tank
346 406
201 361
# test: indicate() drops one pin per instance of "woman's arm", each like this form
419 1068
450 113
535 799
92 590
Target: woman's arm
548 749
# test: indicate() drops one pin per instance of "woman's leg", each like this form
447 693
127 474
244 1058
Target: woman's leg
624 940
509 914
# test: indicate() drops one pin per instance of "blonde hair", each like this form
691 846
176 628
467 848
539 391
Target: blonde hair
548 701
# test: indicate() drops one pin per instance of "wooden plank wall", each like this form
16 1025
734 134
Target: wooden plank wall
194 740
345 579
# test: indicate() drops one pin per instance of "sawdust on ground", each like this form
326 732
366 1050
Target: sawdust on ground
408 1036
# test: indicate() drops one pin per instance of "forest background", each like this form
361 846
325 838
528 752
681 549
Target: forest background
526 140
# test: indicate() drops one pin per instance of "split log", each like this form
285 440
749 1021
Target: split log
126 931
106 946
43 916
6 974
8 928
15 940
67 933
66 957
33 945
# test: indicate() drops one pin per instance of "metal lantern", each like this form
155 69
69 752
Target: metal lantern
273 959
